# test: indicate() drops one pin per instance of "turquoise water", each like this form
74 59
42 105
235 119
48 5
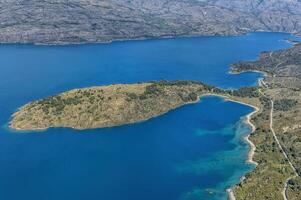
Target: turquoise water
194 152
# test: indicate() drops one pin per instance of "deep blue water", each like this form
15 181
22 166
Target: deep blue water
194 152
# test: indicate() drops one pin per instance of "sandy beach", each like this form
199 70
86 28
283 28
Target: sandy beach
252 146
251 153
247 120
230 194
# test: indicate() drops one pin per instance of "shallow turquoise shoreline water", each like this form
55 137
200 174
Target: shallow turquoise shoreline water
194 152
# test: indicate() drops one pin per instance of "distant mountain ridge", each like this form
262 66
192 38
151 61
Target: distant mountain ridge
89 21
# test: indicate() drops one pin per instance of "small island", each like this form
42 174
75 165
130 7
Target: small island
107 106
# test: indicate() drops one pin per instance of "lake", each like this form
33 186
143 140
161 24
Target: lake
191 153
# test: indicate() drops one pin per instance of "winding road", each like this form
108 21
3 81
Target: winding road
282 150
279 145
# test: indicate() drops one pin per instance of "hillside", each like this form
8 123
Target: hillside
82 21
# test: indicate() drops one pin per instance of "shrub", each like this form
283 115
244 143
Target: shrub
284 104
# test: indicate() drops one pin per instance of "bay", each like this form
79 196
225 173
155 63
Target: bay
193 152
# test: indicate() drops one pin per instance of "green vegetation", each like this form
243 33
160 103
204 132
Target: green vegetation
246 92
284 104
282 85
113 105
106 106
268 178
